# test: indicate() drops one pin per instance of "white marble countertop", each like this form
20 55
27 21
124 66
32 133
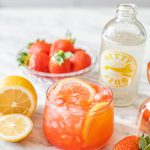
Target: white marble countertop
18 27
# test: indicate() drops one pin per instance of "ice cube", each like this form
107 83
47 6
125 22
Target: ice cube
148 106
62 125
78 139
97 96
59 102
54 124
78 125
68 122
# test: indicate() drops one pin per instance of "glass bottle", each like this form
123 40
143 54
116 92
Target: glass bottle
121 54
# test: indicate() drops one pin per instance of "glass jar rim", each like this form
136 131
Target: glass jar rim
85 112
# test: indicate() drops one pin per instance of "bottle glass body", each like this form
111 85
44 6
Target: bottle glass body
122 52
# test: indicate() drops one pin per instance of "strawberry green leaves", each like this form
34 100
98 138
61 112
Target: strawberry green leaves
144 143
69 36
23 58
60 56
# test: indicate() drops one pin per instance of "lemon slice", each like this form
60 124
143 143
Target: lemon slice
15 127
99 106
17 95
94 129
75 88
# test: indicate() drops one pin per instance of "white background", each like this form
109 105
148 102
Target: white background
65 3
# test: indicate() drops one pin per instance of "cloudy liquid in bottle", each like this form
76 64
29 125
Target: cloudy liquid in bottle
134 47
121 55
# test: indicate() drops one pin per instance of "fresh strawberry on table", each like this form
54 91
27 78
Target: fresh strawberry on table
38 62
133 143
80 60
60 62
39 46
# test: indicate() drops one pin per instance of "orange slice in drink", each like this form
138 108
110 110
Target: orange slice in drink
75 91
98 125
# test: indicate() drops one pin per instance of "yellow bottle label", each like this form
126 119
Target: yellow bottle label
117 68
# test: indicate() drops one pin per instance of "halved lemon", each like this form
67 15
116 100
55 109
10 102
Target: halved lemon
98 125
17 95
15 127
75 91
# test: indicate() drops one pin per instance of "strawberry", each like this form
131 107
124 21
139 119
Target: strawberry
67 44
80 60
78 49
39 62
133 143
60 62
39 46
64 44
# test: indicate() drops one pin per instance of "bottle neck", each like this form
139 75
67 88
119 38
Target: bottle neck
126 12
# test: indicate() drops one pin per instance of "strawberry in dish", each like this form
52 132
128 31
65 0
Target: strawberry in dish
59 57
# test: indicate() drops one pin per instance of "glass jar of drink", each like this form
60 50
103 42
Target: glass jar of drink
78 114
143 120
122 52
